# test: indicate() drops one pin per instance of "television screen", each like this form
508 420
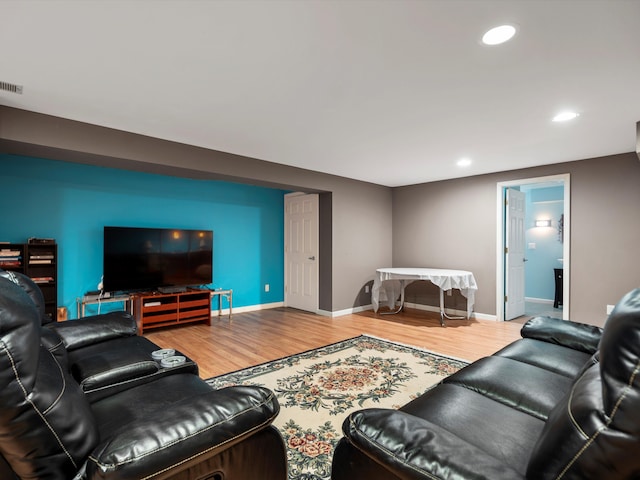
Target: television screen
155 258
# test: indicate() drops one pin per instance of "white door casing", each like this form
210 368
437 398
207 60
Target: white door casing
301 251
514 254
501 285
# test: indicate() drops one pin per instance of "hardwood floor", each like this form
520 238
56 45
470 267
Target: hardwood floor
257 337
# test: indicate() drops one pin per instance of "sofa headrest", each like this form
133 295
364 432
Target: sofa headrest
32 290
594 432
620 347
19 325
46 424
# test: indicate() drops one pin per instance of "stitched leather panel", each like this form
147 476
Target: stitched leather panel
595 431
46 426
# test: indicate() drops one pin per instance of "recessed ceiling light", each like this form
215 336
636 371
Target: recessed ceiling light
498 35
464 162
565 116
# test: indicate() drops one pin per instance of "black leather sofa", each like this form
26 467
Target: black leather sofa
82 400
103 352
563 402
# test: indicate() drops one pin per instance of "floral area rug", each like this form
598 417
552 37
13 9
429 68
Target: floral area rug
319 388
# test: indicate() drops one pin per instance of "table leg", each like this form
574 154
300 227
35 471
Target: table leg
229 297
443 314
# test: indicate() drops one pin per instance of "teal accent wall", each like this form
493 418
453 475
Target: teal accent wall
542 204
72 203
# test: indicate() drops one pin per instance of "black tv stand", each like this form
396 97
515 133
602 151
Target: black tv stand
173 289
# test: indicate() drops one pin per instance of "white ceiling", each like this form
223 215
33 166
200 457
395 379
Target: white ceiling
390 92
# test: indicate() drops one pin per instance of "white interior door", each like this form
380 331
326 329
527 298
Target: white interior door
514 254
301 251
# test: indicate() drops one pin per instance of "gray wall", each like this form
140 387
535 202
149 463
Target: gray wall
452 224
449 224
360 215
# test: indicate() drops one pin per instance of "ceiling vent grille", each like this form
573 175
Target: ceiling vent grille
11 87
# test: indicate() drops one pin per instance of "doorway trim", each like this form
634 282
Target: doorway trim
500 232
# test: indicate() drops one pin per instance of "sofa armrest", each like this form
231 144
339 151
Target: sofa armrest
413 448
113 367
190 431
95 329
578 336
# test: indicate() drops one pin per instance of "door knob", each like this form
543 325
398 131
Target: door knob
312 258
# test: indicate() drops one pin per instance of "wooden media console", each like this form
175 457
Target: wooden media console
155 310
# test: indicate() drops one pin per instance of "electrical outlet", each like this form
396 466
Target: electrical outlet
610 309
266 287
366 289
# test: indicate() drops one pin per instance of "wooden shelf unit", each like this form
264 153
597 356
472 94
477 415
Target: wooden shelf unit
42 267
39 261
13 257
156 310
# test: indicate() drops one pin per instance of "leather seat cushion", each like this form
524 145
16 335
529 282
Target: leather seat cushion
135 403
522 386
503 432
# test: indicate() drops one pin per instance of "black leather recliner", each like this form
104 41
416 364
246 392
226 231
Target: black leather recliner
561 403
171 425
103 353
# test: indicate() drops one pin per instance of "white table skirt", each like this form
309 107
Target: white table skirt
389 282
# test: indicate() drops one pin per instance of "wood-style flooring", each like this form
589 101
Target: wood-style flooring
256 337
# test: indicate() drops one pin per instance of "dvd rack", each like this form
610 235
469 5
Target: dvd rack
39 261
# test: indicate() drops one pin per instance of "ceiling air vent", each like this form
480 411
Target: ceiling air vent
11 87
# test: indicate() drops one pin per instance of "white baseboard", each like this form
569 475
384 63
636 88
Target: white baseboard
349 311
417 306
538 300
247 308
485 316
346 311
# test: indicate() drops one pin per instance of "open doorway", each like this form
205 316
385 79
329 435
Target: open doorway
533 248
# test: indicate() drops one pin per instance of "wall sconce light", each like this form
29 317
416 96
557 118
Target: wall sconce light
543 223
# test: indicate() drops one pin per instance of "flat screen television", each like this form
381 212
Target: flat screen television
166 259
